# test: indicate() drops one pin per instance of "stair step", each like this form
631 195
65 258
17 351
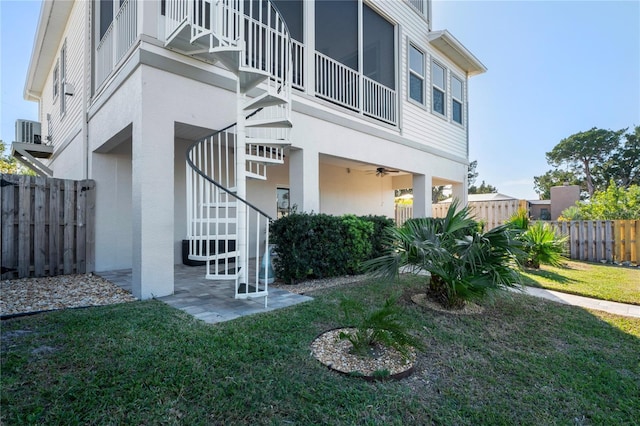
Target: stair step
264 160
219 256
265 100
250 78
252 175
229 56
214 220
282 123
221 204
275 143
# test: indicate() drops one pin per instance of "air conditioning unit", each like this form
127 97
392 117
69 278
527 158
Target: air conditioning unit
28 131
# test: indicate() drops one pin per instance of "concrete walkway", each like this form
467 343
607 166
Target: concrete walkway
585 302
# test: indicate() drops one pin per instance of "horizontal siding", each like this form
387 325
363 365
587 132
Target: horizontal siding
62 128
418 123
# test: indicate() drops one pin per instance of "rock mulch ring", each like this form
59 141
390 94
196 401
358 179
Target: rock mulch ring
319 284
469 308
334 352
28 295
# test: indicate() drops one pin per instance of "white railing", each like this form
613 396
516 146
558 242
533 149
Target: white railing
337 82
298 64
176 14
117 40
342 85
378 101
215 222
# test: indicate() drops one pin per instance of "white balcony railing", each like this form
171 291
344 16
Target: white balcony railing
378 101
336 82
298 64
116 41
342 85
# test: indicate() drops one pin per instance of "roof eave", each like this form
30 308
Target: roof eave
51 25
454 50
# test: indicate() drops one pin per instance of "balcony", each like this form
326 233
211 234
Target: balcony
116 41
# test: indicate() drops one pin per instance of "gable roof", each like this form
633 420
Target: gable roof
494 196
51 25
454 50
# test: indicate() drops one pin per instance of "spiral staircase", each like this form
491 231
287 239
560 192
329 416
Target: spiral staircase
251 40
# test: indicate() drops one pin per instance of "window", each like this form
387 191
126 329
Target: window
283 205
439 87
416 74
457 99
56 80
378 55
337 31
63 77
292 13
106 16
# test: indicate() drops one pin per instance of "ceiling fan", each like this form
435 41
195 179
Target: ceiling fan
382 171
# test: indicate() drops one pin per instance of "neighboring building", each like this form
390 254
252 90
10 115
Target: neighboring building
355 99
563 197
540 209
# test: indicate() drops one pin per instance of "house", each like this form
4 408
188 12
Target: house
324 106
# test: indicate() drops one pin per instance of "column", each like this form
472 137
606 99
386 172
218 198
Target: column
152 199
304 180
459 191
422 196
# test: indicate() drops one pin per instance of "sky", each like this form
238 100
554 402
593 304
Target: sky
555 68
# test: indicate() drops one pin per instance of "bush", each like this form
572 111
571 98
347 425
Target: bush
321 246
380 224
463 261
540 244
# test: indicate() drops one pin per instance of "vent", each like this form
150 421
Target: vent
28 131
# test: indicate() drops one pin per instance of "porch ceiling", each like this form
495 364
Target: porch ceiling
356 165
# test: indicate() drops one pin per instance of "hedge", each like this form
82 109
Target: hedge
322 246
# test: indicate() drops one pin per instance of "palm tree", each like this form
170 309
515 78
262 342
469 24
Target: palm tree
464 262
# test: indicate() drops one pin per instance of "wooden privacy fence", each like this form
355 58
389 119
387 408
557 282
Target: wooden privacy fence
48 226
596 240
493 213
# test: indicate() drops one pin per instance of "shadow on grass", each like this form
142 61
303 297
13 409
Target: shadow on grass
549 275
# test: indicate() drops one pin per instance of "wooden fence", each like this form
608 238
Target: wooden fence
596 240
493 213
48 226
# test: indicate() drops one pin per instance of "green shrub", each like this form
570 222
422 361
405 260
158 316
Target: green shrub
464 263
320 245
380 224
540 244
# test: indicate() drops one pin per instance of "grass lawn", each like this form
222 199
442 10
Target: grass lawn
606 282
523 361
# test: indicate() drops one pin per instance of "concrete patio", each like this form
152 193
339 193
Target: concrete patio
207 300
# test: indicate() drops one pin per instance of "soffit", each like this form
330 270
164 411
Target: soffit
54 15
454 50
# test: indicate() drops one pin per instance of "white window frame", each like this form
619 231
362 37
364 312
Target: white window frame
455 99
442 89
63 78
412 72
56 80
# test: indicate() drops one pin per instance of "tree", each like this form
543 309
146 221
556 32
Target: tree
464 262
9 164
542 184
472 174
484 188
615 203
586 154
624 165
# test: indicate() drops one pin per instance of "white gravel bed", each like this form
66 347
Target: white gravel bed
64 291
334 352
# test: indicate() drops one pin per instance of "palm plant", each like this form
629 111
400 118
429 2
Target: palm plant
540 243
464 263
381 326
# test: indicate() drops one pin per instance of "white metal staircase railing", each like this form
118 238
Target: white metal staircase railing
251 39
